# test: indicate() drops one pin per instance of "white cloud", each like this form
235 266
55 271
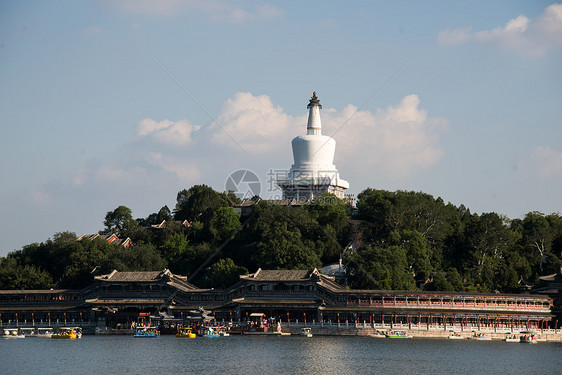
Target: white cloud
528 37
186 173
254 123
219 10
108 175
548 162
167 132
398 139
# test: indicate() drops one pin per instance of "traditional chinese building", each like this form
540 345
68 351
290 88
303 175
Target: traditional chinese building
120 298
109 238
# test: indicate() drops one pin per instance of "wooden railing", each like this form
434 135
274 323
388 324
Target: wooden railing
450 304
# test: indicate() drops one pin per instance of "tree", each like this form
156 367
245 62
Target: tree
16 277
455 279
225 273
143 257
119 222
538 236
278 237
224 223
175 247
156 218
85 257
395 211
199 203
418 253
330 210
439 283
488 237
378 267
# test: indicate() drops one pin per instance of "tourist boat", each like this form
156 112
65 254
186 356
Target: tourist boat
12 333
210 332
64 333
306 332
511 338
455 336
185 332
529 339
223 332
378 335
480 337
78 331
44 332
147 332
397 335
28 332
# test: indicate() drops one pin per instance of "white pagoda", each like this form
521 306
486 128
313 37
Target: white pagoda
313 171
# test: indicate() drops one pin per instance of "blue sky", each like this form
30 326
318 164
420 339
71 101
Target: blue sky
108 103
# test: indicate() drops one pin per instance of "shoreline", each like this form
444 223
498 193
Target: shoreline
423 333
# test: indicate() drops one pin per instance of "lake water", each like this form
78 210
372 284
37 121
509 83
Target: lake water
275 355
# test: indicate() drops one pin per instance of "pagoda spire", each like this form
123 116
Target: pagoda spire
314 125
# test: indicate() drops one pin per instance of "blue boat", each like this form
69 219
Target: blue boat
210 332
147 332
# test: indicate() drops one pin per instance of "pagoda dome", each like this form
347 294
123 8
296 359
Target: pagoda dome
313 172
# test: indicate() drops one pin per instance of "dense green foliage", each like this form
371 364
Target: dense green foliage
401 240
412 240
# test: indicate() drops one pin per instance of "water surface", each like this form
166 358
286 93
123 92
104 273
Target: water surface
276 355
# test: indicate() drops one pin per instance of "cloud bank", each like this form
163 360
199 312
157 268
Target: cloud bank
400 141
529 37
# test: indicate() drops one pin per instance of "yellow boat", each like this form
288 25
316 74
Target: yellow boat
185 332
64 333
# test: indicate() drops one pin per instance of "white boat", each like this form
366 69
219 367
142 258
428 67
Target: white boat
44 332
378 335
28 332
306 332
12 333
480 337
512 338
455 336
